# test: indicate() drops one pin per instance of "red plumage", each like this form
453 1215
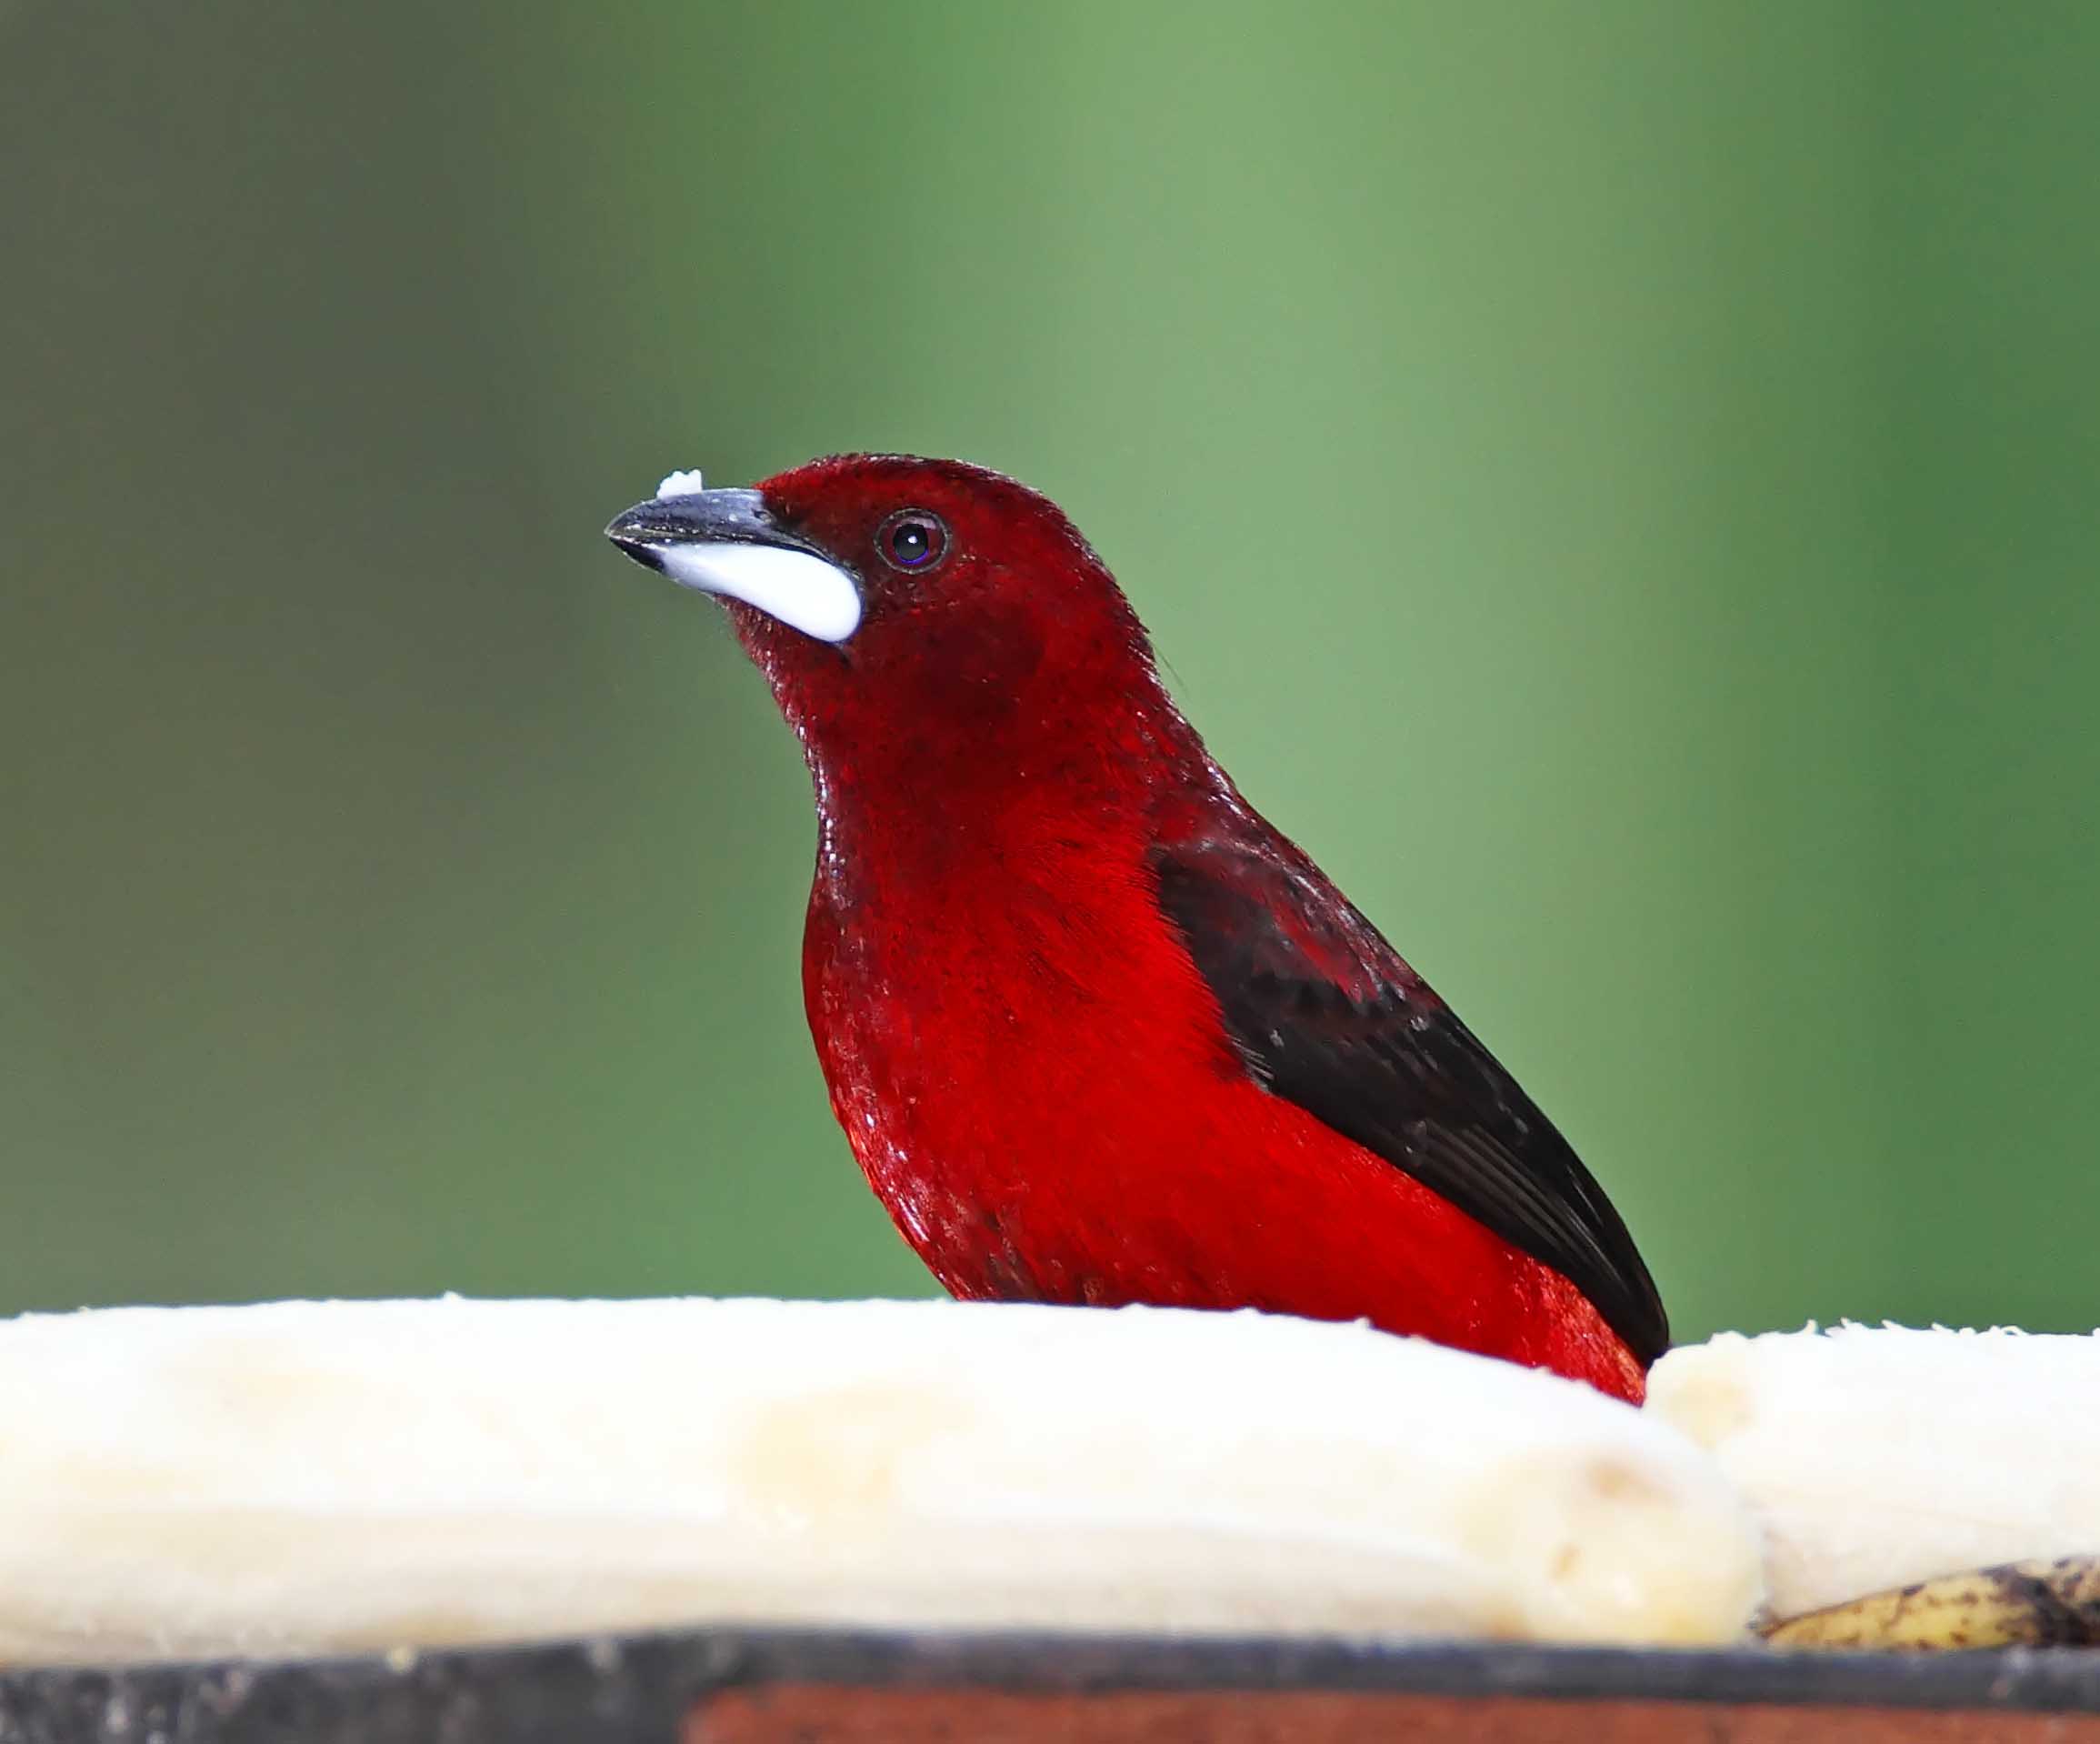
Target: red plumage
1095 1031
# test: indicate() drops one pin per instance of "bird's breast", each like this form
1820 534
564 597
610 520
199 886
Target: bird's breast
1037 1083
1011 1058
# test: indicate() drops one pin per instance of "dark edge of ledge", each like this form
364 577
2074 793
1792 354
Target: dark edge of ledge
636 1689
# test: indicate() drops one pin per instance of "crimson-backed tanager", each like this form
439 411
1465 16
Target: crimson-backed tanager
1096 1031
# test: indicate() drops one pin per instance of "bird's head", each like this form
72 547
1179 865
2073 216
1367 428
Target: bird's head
919 619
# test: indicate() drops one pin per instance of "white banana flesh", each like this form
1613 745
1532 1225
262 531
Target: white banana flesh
357 1476
1877 1457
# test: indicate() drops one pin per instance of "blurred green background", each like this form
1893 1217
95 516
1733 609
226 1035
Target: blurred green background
1617 482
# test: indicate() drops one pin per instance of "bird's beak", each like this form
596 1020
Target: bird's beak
728 542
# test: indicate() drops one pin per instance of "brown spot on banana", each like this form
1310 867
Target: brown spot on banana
2016 1604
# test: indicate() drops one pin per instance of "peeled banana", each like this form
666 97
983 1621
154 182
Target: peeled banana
349 1476
1878 1459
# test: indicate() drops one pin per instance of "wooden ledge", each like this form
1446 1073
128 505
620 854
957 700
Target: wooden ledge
813 1687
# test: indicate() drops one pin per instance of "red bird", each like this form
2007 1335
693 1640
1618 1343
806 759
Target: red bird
1096 1031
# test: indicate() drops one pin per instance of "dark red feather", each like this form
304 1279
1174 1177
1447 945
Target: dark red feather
1327 1015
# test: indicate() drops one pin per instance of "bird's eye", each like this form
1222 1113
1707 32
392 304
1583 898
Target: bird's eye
913 540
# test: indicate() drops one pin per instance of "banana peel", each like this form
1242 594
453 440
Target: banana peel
2053 1603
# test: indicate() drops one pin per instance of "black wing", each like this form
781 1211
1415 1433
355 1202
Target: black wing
1328 1015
